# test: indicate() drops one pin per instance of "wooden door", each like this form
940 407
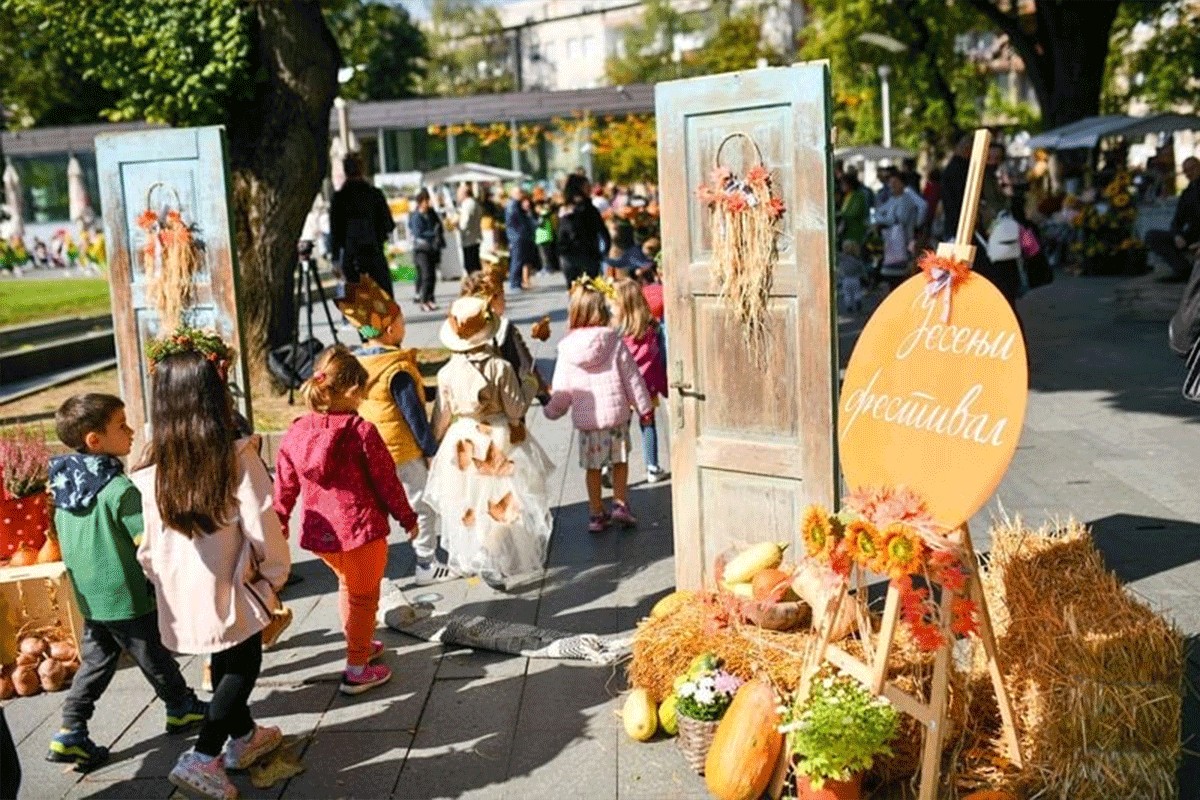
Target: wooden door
183 170
751 444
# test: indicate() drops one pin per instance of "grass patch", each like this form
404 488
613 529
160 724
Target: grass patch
33 299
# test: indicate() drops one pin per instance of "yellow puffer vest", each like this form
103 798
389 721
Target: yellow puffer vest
381 410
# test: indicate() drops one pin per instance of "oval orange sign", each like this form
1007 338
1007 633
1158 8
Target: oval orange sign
935 405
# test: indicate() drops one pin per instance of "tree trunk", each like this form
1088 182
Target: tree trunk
1078 35
279 153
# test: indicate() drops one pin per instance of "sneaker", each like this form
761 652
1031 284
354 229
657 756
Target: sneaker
598 523
377 649
242 752
621 515
655 474
372 675
606 476
76 747
433 572
493 579
197 776
185 718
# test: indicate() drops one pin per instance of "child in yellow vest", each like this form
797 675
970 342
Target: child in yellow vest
394 401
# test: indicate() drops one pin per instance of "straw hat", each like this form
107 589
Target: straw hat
470 325
368 307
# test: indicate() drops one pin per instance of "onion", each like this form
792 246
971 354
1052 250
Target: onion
6 688
27 660
33 645
69 668
62 651
25 681
52 675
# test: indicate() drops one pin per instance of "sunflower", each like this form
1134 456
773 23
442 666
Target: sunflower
865 545
817 532
903 550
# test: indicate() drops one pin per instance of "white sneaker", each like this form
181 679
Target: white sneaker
656 474
434 572
199 777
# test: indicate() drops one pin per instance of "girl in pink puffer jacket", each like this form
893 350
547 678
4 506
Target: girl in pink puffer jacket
598 380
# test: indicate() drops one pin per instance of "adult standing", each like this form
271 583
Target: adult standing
898 217
544 208
932 192
582 234
470 227
522 251
954 186
854 215
425 228
1169 245
360 222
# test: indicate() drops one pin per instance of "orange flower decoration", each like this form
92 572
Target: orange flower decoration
147 220
964 619
840 560
817 532
758 175
927 636
931 261
776 208
903 550
736 202
864 544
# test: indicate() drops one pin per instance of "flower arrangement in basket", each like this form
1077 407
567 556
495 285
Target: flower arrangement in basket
170 257
1106 239
746 223
891 532
837 731
703 695
24 508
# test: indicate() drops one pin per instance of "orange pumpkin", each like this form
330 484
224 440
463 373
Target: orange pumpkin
771 584
746 746
49 552
24 557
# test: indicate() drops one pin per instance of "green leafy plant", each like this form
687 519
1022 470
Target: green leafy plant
705 691
839 729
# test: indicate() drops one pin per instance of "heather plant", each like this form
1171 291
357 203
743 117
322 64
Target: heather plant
24 461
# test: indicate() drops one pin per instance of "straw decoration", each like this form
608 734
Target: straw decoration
170 258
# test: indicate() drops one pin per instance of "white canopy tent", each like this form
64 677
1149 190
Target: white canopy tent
14 202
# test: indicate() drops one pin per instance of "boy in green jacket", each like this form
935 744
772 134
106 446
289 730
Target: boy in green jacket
98 516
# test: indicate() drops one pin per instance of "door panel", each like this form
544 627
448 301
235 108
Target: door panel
751 443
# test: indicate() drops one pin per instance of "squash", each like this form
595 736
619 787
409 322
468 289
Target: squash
746 746
640 716
24 557
668 719
671 603
49 552
771 584
753 560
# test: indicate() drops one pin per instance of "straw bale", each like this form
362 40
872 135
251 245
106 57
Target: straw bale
1096 687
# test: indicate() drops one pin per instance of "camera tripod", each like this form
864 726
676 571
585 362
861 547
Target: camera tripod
308 283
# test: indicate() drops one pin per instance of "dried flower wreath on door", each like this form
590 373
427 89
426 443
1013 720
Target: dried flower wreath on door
746 223
170 257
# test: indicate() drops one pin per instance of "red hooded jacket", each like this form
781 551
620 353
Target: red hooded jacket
347 477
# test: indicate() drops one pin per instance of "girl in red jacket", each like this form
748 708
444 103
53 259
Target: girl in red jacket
340 464
633 319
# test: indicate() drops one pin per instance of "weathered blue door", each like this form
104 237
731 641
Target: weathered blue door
162 171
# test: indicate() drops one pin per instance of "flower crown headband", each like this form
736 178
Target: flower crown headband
191 340
599 284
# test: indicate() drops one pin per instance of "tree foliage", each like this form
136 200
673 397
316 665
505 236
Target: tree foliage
468 51
1155 56
387 50
162 61
934 89
626 149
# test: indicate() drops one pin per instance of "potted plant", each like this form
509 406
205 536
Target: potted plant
703 695
837 732
24 503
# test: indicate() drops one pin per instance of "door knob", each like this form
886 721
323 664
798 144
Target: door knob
686 390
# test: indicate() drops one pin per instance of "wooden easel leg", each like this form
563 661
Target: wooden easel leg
887 632
931 759
824 634
988 636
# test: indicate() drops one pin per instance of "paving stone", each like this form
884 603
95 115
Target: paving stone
350 764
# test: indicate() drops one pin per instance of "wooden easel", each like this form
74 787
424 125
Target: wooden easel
872 671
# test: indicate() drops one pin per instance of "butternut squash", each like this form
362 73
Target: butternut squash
746 746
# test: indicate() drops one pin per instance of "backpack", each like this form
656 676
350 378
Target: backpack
1004 240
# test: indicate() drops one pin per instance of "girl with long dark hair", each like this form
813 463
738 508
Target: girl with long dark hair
212 547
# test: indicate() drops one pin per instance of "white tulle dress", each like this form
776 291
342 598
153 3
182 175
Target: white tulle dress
489 492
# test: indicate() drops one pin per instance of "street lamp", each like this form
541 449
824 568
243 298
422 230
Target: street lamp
886 99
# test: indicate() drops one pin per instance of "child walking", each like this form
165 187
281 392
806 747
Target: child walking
212 548
393 400
341 466
98 516
598 380
637 326
488 480
489 286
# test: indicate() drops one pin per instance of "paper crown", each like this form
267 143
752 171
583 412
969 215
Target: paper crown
368 307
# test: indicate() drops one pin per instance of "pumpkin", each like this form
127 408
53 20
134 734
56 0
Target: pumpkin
771 584
746 746
24 557
49 552
671 603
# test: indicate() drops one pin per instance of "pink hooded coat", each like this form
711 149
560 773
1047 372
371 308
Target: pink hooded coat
598 380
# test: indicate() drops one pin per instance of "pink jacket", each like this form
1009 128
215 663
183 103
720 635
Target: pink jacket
597 378
216 591
650 362
348 478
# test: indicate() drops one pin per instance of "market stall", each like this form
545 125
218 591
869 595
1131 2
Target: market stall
443 183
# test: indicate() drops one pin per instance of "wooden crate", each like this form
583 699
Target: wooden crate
34 597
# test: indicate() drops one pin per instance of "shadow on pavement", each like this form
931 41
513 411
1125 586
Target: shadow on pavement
1136 547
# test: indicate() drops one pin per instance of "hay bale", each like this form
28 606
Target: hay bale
1096 687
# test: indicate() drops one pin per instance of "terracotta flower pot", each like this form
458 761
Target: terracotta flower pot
831 790
24 522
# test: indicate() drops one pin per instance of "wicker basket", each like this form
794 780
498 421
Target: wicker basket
694 739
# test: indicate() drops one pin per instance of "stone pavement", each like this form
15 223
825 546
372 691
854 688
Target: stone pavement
1107 438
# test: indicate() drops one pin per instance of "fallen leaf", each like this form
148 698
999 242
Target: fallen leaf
495 463
464 453
505 509
279 765
468 517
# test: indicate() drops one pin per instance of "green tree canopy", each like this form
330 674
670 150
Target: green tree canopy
468 51
1155 56
381 42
